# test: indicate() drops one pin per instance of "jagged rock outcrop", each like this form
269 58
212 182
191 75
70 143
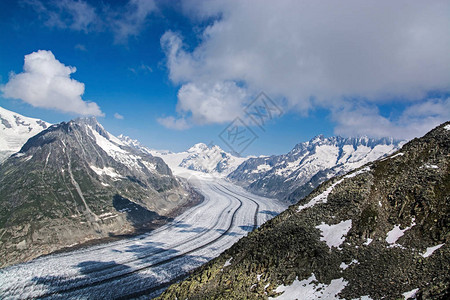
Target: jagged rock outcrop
380 232
75 182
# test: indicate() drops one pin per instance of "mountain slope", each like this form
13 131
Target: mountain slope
75 182
379 232
15 130
295 174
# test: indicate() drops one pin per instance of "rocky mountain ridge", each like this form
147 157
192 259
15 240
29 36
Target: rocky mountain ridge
295 174
75 182
379 232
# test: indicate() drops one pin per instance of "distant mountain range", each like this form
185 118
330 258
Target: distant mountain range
200 157
294 175
15 130
74 182
379 232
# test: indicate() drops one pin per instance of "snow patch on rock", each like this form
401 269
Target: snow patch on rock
430 250
108 171
334 235
396 233
367 243
309 289
344 266
228 263
322 198
410 294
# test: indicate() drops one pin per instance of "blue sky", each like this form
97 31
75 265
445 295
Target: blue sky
178 73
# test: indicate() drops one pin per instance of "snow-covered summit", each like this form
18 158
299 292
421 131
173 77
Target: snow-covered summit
129 141
310 163
198 148
15 130
210 159
199 158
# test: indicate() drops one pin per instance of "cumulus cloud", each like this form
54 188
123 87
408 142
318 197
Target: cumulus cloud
313 54
118 116
45 82
211 102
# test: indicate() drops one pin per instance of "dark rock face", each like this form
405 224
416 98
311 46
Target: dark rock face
295 174
62 189
398 212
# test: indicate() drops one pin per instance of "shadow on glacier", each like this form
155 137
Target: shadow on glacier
138 215
269 212
111 280
182 225
247 228
230 233
189 228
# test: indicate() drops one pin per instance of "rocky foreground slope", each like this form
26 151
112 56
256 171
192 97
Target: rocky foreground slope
294 175
75 182
379 232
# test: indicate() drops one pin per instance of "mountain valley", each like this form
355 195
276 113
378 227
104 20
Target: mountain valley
360 209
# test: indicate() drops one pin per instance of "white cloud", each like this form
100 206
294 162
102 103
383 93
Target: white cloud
45 82
124 20
130 20
314 54
415 121
173 123
210 103
74 14
118 116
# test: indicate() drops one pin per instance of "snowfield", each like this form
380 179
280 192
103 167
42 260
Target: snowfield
145 265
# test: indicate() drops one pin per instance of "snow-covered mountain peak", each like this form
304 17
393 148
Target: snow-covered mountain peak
91 122
310 163
129 141
199 158
198 148
338 141
212 160
317 139
15 130
135 144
